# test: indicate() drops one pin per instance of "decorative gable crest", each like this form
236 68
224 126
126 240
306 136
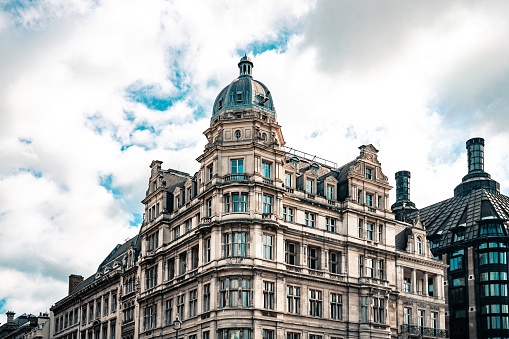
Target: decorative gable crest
369 153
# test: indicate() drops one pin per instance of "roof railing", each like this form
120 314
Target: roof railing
310 157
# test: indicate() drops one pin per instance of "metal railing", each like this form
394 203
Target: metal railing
424 331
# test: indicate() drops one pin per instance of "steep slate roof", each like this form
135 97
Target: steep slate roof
444 218
115 255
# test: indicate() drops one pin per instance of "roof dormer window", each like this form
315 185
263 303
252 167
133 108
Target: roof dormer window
239 96
220 103
315 168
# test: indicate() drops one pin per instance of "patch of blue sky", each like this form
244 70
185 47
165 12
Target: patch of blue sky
2 304
278 42
30 171
25 141
106 181
137 219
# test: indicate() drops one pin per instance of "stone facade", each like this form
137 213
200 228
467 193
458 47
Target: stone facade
268 242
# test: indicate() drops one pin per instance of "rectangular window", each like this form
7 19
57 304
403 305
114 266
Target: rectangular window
268 295
330 192
193 303
227 207
379 310
239 202
361 228
309 186
267 203
369 230
407 284
206 297
268 334
336 306
194 257
106 304
207 252
369 173
188 225
361 266
181 302
421 315
434 320
84 315
112 331
98 309
380 233
369 200
226 245
171 268
314 258
315 336
315 303
334 264
310 219
239 244
168 313
176 232
370 269
208 205
291 253
407 316
293 299
292 335
364 309
234 293
288 213
330 224
223 290
210 172
266 169
237 166
151 277
381 269
268 243
149 317
288 180
182 263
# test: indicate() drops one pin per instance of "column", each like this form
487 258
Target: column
414 278
425 285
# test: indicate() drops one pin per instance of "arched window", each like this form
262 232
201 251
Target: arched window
419 245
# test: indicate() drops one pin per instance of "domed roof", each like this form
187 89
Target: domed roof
244 92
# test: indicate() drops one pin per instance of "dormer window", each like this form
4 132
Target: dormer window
264 137
238 116
220 103
266 169
309 186
369 173
315 168
419 246
238 134
239 96
330 192
288 180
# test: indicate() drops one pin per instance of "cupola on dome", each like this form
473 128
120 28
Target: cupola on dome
244 92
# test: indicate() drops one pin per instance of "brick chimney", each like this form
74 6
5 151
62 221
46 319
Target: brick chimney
10 316
74 280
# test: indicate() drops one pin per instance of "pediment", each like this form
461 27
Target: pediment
290 167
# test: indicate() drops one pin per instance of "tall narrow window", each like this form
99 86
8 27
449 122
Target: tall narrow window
336 306
379 310
268 295
309 186
380 233
334 262
193 303
293 299
266 169
330 192
195 257
361 228
207 252
419 245
208 205
315 303
407 316
182 263
421 315
314 258
267 203
369 173
168 313
369 268
227 203
210 172
171 268
181 304
206 297
381 269
361 266
239 244
288 180
369 230
268 243
369 200
364 309
291 253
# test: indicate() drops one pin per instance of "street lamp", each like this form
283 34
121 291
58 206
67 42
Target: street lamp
176 326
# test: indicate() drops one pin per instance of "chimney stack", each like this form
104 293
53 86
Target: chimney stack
402 186
475 150
74 281
10 316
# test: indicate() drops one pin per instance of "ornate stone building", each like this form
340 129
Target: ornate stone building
268 242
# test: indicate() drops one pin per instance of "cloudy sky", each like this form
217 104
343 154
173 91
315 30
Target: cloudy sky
91 91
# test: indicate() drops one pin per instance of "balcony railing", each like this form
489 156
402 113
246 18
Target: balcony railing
268 181
289 190
235 177
424 331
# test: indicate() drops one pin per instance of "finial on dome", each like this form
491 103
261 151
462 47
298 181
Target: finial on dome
245 66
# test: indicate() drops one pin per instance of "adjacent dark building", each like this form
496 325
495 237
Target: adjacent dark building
469 233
